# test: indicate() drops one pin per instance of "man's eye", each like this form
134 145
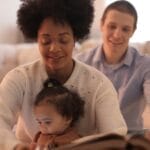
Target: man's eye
112 27
126 29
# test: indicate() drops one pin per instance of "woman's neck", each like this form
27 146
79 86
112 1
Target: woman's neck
63 74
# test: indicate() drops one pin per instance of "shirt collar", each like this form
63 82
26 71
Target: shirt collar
128 57
126 61
99 57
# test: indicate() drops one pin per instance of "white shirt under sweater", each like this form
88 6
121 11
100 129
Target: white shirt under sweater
21 85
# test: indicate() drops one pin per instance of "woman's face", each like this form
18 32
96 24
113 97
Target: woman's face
117 29
49 120
56 43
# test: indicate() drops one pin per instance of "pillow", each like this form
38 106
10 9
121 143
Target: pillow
7 58
27 52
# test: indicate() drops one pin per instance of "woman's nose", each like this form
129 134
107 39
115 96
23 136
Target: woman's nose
53 46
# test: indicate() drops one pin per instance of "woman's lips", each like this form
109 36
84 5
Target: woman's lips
54 58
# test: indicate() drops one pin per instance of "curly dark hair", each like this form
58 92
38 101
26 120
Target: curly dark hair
76 13
68 103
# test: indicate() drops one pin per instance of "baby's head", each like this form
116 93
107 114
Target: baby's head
56 108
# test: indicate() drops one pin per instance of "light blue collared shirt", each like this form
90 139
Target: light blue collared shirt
131 79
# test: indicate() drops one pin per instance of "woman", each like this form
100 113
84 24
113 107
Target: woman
56 25
128 70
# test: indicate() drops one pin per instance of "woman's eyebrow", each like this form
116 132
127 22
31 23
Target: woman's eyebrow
65 33
48 35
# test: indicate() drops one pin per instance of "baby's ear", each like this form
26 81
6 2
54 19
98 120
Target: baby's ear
68 121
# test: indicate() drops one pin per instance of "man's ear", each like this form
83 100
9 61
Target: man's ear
132 33
101 25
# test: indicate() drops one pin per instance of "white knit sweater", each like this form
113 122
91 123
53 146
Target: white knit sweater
20 86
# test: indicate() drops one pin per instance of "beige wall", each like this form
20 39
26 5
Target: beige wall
8 28
99 7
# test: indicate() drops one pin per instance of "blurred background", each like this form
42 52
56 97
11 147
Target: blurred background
9 32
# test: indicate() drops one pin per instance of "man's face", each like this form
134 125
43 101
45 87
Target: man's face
117 29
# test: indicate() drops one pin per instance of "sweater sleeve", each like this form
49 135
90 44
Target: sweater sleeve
108 113
9 109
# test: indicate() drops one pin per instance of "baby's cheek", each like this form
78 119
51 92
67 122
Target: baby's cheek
44 129
50 129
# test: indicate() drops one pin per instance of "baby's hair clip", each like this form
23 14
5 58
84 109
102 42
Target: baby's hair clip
50 84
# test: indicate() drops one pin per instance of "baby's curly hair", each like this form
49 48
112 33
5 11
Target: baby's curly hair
67 103
76 13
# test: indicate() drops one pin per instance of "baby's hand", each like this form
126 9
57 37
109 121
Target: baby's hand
22 147
147 134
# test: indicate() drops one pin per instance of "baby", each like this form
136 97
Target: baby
56 110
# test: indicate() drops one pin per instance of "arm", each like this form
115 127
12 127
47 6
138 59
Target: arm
146 86
108 114
11 95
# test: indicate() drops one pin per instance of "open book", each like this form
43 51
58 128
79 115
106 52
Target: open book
111 141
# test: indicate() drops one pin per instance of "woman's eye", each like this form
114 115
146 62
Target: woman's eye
48 122
64 40
45 41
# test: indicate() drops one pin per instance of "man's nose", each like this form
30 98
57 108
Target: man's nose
117 33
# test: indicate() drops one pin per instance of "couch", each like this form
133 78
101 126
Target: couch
12 55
